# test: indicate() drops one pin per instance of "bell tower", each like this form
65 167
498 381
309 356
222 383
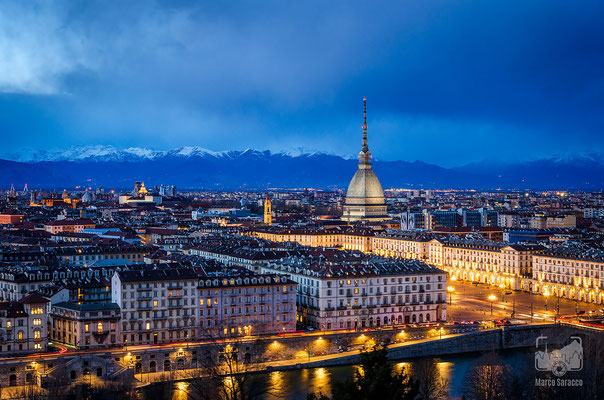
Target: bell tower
268 213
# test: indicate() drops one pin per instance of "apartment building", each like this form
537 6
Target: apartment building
157 305
59 226
87 255
164 305
86 325
573 271
246 303
401 244
24 325
491 262
364 292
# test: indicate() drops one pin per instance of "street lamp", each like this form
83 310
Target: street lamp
546 294
450 289
492 298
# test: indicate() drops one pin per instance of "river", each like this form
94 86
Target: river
296 384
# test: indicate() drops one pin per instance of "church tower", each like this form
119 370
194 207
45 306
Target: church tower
268 213
365 197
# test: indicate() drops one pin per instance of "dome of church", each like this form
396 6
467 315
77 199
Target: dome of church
365 188
87 197
365 196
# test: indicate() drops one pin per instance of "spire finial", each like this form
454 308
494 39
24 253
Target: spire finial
365 147
365 154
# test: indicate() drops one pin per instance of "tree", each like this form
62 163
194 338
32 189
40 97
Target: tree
486 379
375 378
228 371
431 386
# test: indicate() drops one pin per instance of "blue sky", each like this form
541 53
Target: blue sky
447 82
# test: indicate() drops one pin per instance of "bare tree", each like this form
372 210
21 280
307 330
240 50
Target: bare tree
486 379
431 386
228 370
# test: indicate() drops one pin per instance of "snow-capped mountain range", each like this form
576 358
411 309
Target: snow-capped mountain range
108 153
198 167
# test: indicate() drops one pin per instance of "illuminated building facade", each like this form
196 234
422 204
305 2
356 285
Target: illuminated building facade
349 294
24 325
570 272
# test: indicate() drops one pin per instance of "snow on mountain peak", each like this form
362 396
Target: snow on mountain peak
111 153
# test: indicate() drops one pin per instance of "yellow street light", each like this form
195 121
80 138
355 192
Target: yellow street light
492 298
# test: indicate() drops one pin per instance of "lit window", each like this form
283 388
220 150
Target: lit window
100 327
20 335
9 324
201 302
87 328
37 346
36 334
148 326
37 321
154 303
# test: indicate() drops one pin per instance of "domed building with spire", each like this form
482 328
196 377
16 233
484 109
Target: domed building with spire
365 197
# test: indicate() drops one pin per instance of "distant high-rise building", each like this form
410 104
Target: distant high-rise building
365 197
268 214
442 219
412 220
471 218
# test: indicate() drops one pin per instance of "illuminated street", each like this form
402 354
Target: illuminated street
471 302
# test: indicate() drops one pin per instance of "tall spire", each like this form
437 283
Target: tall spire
365 154
365 148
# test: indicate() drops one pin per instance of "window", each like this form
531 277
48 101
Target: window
36 334
148 325
154 303
37 321
87 328
9 324
37 310
100 327
20 335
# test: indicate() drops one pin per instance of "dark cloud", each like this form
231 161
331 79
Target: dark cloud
447 82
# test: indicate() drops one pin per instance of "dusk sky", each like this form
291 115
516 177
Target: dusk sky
447 82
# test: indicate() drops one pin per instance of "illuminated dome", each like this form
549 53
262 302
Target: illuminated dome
365 197
365 188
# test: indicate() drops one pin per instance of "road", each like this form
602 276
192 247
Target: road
471 302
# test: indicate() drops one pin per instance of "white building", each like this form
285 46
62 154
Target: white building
364 293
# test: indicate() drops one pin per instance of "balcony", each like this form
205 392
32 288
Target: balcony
174 305
144 289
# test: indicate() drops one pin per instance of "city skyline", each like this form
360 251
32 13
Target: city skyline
503 83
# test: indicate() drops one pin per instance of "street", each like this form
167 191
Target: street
468 302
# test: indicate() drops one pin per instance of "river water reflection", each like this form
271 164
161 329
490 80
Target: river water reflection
296 384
